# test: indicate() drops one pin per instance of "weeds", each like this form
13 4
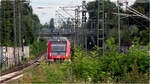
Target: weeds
111 67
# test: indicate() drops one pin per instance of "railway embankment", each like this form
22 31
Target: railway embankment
35 55
111 67
19 71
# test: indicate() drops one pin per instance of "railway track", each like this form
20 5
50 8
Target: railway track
18 71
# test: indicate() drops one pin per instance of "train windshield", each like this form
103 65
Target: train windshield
58 48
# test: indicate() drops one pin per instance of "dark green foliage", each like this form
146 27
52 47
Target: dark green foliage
29 35
1 65
24 58
112 66
6 26
51 24
29 28
31 25
109 10
140 23
37 47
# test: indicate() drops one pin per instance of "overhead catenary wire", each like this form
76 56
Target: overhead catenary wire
132 10
137 13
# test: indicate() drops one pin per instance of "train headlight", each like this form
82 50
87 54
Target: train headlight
66 55
50 54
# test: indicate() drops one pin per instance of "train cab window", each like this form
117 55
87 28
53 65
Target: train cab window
58 48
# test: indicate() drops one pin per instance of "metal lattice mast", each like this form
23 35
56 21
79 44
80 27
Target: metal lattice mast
100 29
77 23
75 18
84 11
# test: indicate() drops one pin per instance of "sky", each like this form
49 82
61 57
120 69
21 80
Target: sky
45 9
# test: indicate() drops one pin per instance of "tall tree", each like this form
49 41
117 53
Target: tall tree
6 25
142 24
69 23
51 24
30 23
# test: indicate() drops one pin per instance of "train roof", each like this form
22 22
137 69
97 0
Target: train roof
58 38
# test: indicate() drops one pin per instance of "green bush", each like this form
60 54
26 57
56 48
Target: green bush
1 65
109 67
112 66
37 47
45 74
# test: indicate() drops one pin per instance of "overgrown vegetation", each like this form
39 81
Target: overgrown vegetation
132 67
111 67
37 48
1 65
44 74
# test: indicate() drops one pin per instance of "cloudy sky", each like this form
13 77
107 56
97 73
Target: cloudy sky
45 9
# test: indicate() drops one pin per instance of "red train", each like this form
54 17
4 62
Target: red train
58 49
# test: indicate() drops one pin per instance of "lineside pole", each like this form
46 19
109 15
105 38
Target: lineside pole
3 27
19 8
84 10
118 24
14 25
1 42
98 23
103 27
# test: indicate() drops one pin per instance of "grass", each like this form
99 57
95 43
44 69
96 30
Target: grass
44 74
61 73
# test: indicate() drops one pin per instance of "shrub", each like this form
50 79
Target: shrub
37 47
94 67
112 66
1 65
45 74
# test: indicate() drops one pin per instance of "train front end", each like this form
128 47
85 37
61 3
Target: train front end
58 49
